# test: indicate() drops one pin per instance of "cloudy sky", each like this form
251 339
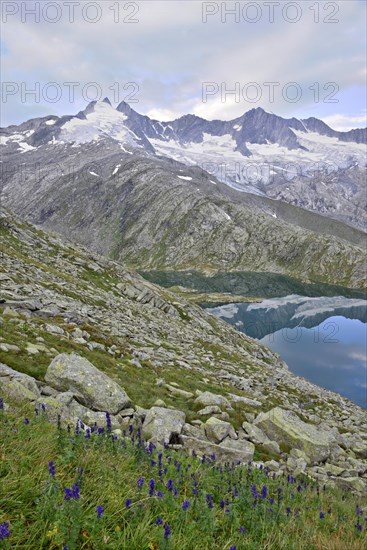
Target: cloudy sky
172 57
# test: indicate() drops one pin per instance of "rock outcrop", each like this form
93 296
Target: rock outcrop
288 430
93 388
163 426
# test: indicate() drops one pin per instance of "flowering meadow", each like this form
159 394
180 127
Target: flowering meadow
76 487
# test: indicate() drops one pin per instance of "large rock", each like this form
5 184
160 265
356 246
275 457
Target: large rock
162 425
229 450
92 388
216 430
355 484
23 379
258 437
15 391
207 398
287 429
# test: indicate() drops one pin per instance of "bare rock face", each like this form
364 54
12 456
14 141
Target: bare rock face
92 388
287 429
162 426
229 450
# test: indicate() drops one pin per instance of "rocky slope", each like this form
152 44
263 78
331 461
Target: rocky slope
154 213
77 329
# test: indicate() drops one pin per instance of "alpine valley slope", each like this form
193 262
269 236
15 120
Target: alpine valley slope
96 181
57 298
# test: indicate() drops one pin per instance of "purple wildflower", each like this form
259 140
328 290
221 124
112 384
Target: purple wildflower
170 485
209 500
140 482
151 487
73 493
108 422
243 530
51 468
100 511
167 531
185 505
26 421
159 494
264 491
359 526
159 521
4 530
322 515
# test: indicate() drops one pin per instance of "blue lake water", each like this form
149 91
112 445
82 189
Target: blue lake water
322 339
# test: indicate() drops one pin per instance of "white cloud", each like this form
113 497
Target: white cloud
344 122
170 53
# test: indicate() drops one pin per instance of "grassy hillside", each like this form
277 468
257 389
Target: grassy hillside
63 490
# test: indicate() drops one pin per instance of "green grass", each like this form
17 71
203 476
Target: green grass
107 470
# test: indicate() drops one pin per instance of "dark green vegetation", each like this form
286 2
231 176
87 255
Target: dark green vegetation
94 490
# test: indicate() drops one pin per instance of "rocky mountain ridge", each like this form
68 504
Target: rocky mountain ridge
302 162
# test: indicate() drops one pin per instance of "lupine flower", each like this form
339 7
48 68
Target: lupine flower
73 493
51 468
100 511
167 531
159 494
288 511
108 422
151 487
359 526
36 411
26 421
128 502
185 505
322 515
1 403
159 521
170 485
140 482
264 491
243 530
232 548
43 407
209 500
4 530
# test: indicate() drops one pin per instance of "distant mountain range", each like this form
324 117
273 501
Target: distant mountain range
303 162
151 194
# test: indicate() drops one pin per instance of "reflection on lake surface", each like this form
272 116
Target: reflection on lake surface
322 339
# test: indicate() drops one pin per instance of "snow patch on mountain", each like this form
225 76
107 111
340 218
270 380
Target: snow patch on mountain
103 121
